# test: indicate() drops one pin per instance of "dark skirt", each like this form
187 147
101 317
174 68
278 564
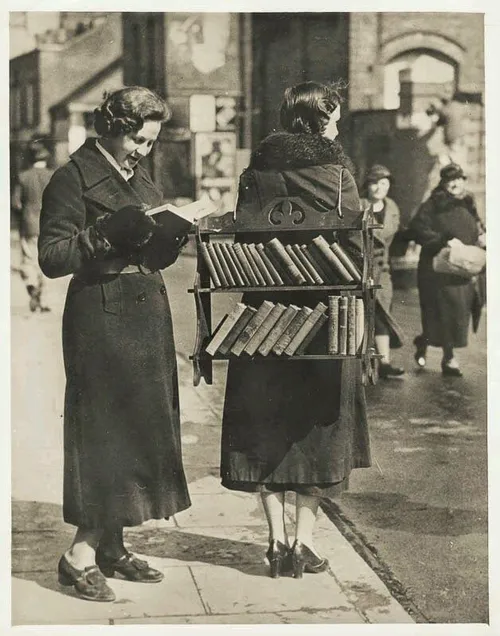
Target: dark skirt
122 445
293 425
446 304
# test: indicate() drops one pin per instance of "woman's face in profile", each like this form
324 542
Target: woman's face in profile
129 149
331 131
379 190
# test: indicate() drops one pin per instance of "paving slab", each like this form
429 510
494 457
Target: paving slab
226 509
39 599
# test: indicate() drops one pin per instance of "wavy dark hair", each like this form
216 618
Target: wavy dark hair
307 107
124 111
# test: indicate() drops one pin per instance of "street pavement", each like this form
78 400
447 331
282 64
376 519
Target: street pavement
212 554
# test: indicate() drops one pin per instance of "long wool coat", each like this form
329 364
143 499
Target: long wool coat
122 446
298 425
446 300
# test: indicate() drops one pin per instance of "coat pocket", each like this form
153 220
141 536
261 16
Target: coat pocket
112 296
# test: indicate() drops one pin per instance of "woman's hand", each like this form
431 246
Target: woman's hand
128 229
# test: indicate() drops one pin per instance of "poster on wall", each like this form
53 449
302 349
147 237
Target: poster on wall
222 192
215 167
202 53
225 113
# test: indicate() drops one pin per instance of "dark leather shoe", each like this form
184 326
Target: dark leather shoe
89 583
452 372
304 560
279 556
388 371
129 566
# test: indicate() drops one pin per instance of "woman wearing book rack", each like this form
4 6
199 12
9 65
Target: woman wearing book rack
298 426
122 447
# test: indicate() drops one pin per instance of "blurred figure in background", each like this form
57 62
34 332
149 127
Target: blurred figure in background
447 301
27 200
386 212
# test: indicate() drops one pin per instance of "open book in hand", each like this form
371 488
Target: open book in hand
192 212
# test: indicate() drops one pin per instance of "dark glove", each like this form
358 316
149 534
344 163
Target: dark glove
162 249
127 230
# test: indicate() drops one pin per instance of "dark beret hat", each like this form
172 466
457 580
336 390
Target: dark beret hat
451 172
377 172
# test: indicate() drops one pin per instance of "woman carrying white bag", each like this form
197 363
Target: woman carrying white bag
453 241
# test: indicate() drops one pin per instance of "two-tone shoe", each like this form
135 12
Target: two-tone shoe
89 583
129 566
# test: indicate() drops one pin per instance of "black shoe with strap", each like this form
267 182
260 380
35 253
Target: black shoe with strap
451 372
280 558
129 566
89 583
305 560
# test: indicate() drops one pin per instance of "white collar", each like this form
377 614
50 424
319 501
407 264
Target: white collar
126 173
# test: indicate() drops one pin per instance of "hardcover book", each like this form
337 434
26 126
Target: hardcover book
282 323
225 328
280 268
254 323
291 330
264 329
243 260
333 325
277 247
302 349
233 335
313 274
298 264
277 279
217 265
224 264
248 253
360 323
346 261
268 279
333 260
210 265
230 260
324 271
343 325
351 325
301 334
243 275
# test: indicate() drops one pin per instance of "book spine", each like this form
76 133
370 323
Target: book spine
252 327
277 279
306 264
343 325
210 265
351 325
291 330
281 254
324 272
360 323
302 349
238 250
245 281
298 264
260 282
280 268
309 323
233 335
261 333
332 258
224 328
268 279
224 264
217 265
286 318
346 261
333 325
230 259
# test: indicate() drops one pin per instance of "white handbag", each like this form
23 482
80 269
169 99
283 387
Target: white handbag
460 259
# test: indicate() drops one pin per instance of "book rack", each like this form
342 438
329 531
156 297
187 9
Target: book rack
288 215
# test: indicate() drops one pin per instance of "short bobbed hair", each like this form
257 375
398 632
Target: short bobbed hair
307 107
124 111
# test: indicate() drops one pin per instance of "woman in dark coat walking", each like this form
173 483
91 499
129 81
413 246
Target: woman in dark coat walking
122 446
446 300
299 426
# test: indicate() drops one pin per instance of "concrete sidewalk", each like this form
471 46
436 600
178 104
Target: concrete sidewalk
212 554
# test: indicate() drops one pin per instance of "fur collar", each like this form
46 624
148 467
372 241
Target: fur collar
443 200
289 151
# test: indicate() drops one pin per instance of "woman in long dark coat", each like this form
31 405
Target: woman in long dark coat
122 446
446 300
299 426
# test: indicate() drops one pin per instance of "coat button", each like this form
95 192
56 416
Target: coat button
163 290
141 297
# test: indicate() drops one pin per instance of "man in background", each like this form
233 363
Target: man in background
27 200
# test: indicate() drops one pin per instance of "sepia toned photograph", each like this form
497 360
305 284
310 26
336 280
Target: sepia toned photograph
248 319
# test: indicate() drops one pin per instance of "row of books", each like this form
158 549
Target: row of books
288 329
274 264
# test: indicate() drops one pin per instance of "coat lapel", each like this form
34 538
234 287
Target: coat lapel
105 188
